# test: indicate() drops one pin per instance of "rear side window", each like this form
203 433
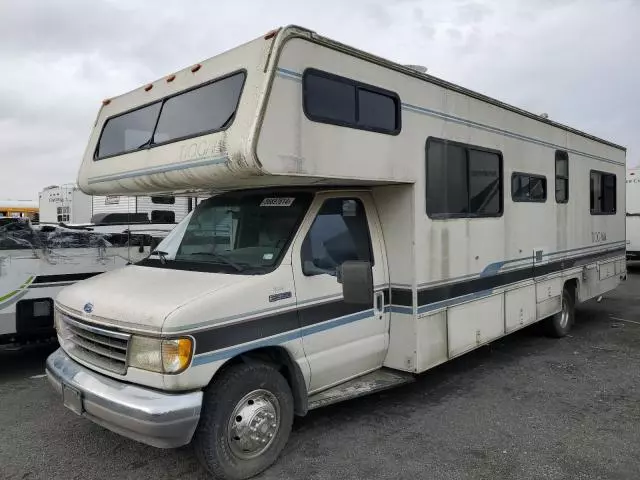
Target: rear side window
562 176
336 100
204 109
602 193
463 181
526 187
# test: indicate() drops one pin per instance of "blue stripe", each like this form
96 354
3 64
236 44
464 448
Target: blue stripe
290 74
401 309
171 167
506 133
281 338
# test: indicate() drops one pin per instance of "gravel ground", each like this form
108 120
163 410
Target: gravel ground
525 407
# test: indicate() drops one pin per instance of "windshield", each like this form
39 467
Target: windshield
244 233
207 108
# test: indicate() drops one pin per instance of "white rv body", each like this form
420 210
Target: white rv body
37 261
164 209
633 213
64 203
445 278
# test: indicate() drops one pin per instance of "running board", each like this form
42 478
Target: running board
372 382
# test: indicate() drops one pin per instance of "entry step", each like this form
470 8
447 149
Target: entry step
382 379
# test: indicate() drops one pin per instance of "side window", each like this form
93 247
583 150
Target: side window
562 176
336 100
164 200
163 216
463 181
602 193
330 99
339 233
526 187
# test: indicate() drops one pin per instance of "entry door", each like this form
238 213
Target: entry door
341 340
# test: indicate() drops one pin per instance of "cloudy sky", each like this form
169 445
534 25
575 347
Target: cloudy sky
577 60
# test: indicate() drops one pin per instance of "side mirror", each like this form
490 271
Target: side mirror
357 282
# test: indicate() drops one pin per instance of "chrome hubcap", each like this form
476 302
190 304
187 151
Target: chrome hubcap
254 424
564 315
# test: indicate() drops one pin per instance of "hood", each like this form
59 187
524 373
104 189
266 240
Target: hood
141 297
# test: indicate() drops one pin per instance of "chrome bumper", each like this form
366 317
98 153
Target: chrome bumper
160 419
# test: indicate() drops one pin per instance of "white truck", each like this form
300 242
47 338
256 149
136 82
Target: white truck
633 214
368 222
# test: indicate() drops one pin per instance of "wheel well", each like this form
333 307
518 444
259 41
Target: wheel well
572 287
278 358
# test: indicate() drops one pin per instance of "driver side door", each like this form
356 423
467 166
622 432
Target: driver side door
341 341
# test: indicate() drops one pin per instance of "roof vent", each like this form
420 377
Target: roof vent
544 115
417 68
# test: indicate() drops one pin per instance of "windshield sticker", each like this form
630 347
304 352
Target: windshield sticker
267 256
277 202
349 208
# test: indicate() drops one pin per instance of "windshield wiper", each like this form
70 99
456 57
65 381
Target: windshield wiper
161 254
222 259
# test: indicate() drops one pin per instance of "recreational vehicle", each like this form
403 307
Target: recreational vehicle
633 214
367 222
37 261
69 205
78 236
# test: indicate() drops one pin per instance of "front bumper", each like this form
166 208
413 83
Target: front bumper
160 419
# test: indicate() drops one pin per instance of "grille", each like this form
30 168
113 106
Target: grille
99 346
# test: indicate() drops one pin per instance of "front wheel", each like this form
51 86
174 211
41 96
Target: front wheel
560 324
246 419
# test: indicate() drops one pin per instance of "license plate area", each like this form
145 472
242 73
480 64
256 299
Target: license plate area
72 399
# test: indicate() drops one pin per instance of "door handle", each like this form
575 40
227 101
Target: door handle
379 302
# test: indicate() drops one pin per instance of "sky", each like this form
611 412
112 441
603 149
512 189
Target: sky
576 60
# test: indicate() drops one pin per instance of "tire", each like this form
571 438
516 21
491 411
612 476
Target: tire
245 396
560 324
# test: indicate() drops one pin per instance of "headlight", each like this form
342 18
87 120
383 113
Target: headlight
160 355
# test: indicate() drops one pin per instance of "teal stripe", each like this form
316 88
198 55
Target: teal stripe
171 167
500 131
290 74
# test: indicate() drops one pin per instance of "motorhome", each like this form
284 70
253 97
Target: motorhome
69 205
64 204
367 222
78 236
633 214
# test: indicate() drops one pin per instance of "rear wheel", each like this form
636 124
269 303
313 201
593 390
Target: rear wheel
560 324
246 419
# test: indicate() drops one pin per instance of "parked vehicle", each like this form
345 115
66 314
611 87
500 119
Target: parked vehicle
18 208
368 222
633 214
37 261
69 205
